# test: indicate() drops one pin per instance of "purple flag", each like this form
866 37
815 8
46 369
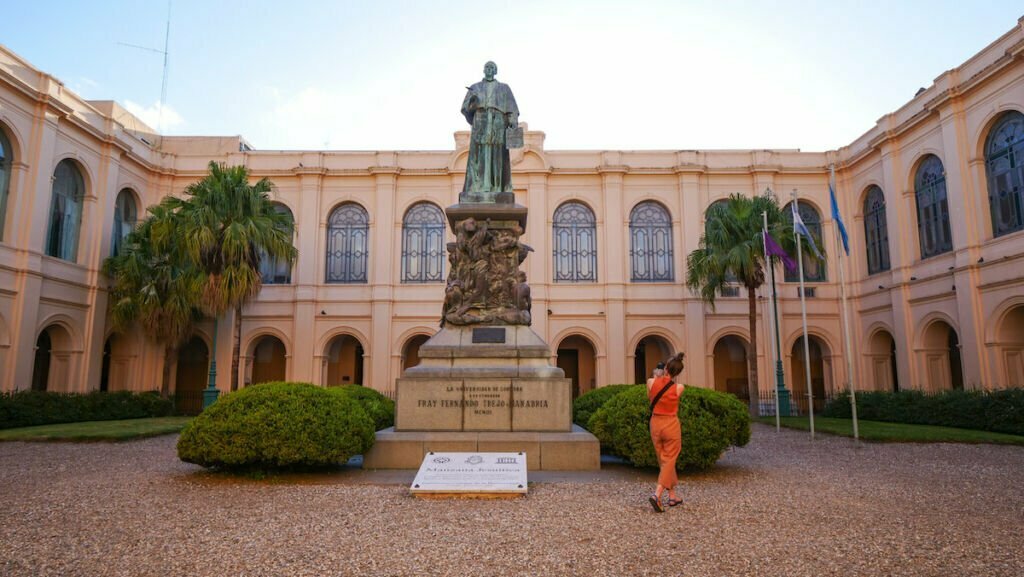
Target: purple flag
773 249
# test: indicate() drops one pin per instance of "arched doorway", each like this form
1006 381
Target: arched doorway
51 370
269 361
1011 347
818 354
118 355
941 350
344 361
650 351
41 366
411 351
577 358
882 356
730 365
192 376
105 371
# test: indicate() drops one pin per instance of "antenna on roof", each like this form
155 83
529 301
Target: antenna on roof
163 83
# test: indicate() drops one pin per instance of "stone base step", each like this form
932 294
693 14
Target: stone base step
573 451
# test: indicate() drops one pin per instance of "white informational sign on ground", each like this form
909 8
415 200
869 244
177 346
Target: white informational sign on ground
471 475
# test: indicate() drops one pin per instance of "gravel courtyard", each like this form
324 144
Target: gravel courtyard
781 506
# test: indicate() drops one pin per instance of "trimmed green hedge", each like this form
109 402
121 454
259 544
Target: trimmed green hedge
31 408
711 422
380 408
998 411
277 425
588 403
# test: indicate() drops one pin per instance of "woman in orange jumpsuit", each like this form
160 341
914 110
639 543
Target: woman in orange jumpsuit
665 431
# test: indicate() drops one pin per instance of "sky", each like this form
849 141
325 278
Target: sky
391 75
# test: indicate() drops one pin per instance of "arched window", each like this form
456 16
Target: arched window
814 270
650 243
423 244
348 230
875 230
276 270
65 211
6 162
574 234
932 208
1004 162
125 217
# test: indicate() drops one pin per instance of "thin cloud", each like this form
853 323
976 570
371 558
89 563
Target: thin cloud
151 115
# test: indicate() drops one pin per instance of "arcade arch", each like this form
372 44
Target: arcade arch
268 360
51 370
940 354
731 369
1010 345
882 361
411 351
343 361
820 361
577 356
650 351
191 376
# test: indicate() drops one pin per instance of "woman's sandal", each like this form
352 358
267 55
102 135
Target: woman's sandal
656 504
674 502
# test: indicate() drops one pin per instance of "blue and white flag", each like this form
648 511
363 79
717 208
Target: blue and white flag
838 219
801 229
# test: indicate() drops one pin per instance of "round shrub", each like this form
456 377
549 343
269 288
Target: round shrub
711 422
277 425
380 408
587 403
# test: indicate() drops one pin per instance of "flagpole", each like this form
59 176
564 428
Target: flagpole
846 316
775 356
803 314
780 374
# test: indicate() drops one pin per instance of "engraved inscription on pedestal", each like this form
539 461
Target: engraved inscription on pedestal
429 405
489 335
542 405
458 473
487 405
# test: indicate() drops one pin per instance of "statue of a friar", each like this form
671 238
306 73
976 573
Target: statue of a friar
491 109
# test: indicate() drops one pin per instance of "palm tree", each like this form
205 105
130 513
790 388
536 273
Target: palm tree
154 286
731 249
226 226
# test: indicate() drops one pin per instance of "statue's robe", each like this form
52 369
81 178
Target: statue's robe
488 171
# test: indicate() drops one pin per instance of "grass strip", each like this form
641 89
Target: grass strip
123 430
896 432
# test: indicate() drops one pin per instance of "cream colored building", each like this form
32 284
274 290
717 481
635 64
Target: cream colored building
934 192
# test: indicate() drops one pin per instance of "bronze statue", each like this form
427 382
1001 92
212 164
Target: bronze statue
485 285
491 109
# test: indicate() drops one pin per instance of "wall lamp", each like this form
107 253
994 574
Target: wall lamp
913 278
323 312
880 287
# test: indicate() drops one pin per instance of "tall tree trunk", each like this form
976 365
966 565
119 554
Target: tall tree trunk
236 348
752 383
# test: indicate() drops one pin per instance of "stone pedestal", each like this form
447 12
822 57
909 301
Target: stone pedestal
485 389
484 379
575 450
